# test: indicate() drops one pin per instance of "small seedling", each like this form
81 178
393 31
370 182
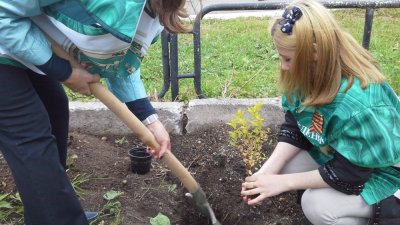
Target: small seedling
111 195
160 219
111 209
172 188
121 141
71 160
248 136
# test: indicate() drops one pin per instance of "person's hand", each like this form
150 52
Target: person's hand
246 198
80 79
264 185
162 137
260 172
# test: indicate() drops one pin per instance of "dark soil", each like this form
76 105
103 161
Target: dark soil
215 165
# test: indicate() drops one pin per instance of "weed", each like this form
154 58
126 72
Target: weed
11 208
160 219
77 182
111 195
248 136
121 141
172 188
111 209
71 160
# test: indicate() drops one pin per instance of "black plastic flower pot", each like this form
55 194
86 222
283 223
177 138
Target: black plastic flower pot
140 160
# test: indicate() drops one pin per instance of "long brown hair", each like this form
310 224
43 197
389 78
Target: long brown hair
170 13
338 55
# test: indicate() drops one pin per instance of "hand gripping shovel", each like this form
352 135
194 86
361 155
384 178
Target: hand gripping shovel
196 195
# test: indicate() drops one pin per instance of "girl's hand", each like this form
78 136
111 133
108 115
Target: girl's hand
246 198
263 185
162 137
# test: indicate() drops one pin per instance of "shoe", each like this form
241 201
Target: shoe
91 216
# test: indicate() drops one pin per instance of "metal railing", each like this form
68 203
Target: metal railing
170 41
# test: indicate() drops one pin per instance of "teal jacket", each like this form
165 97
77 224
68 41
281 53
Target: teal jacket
23 41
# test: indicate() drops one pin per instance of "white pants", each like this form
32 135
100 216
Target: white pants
326 206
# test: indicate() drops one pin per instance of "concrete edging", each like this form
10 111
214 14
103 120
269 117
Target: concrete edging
178 118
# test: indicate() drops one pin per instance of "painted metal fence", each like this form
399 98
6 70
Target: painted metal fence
170 41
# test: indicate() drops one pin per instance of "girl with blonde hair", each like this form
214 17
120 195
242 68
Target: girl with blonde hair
341 137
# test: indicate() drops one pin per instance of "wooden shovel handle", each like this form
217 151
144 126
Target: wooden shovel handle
133 123
144 134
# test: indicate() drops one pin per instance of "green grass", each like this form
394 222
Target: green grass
240 61
385 39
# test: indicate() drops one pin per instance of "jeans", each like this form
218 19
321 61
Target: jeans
33 111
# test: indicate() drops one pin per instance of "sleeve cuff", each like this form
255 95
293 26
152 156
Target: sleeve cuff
56 67
344 176
150 119
290 133
141 108
294 138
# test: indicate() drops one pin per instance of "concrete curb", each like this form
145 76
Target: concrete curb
202 113
178 118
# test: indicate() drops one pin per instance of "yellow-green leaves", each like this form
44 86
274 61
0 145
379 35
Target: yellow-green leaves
248 136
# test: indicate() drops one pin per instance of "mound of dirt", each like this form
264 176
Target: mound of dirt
215 165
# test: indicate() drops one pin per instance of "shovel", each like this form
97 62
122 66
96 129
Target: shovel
196 195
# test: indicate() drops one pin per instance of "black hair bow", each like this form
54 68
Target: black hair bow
289 18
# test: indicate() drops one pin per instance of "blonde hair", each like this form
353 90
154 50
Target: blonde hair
170 13
339 55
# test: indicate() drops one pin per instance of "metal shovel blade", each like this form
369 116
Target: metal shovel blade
199 199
